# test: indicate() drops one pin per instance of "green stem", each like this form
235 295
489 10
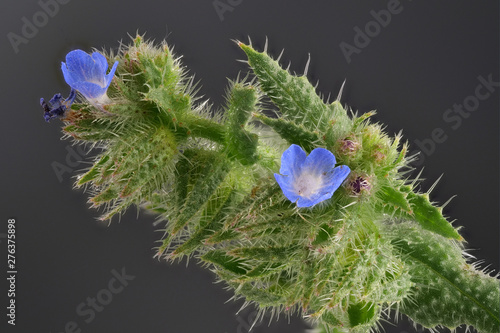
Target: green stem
205 128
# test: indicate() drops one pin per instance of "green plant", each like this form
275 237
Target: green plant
373 246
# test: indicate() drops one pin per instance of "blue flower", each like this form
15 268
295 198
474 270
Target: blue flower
308 180
87 74
58 105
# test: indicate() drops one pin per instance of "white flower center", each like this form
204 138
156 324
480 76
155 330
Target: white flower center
101 82
308 184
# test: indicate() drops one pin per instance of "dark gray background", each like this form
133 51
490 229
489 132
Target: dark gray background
427 59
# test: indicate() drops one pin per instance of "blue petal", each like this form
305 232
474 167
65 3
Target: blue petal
71 97
320 160
55 101
322 195
111 74
286 184
291 161
334 179
101 62
47 116
79 65
89 90
337 176
68 77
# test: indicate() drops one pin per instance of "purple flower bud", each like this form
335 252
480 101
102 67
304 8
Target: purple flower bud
57 106
348 147
359 185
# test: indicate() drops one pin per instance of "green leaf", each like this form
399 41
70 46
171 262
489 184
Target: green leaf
265 269
403 203
176 112
210 223
204 128
108 194
361 119
241 102
274 254
308 273
339 124
361 314
223 235
173 106
323 235
93 172
295 96
393 200
212 172
116 210
328 318
226 262
264 296
325 272
241 144
447 291
160 70
291 132
430 217
284 222
183 169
